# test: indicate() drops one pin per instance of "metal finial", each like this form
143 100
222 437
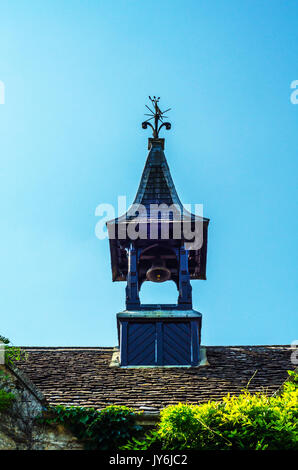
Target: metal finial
158 116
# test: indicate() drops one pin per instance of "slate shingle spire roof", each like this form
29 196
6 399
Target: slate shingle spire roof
156 185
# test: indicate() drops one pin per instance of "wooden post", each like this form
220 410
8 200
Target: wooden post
132 290
123 343
185 297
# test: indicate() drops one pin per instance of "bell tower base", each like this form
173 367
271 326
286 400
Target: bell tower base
159 335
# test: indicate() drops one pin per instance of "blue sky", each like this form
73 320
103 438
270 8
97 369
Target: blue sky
77 75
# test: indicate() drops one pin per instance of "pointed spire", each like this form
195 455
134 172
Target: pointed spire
156 185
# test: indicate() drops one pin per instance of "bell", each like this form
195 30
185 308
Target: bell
158 272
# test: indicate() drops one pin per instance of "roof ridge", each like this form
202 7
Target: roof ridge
70 348
108 348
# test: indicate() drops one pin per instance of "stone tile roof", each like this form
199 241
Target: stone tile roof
83 377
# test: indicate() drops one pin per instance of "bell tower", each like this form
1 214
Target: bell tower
158 240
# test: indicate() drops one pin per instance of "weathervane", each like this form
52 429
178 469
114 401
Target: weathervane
158 116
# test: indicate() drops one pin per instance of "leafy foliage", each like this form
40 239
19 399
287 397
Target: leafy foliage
105 430
13 354
74 418
247 422
150 441
4 340
114 426
6 398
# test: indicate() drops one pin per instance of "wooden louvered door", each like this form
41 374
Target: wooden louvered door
141 344
177 343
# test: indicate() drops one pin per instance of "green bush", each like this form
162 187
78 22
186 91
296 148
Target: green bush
106 429
114 426
250 422
6 399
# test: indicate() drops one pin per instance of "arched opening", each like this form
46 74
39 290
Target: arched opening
159 293
157 263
